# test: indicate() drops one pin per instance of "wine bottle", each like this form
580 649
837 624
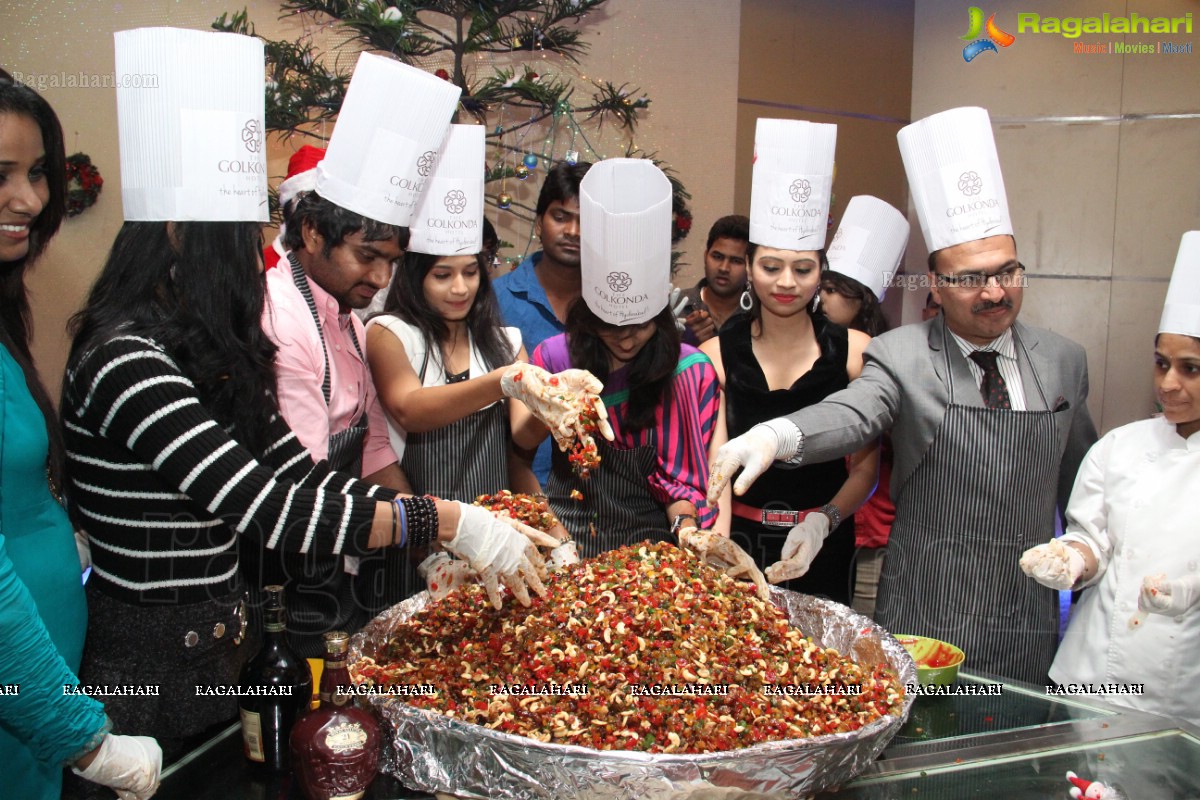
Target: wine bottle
335 748
276 689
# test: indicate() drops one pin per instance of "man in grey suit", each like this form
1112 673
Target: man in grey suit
989 424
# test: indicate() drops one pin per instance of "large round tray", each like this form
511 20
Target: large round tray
435 753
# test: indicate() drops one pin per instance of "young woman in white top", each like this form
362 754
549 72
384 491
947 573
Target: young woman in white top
439 356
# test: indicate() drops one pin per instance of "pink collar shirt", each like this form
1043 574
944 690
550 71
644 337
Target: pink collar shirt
300 370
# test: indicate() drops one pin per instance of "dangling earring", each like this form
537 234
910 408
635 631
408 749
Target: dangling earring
816 303
746 302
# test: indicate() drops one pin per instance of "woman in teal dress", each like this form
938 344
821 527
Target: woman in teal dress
43 614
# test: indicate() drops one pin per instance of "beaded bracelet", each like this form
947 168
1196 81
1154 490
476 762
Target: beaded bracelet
421 520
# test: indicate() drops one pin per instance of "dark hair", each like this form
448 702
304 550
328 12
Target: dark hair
869 319
16 317
335 223
406 299
652 371
1194 338
734 226
755 311
561 183
197 289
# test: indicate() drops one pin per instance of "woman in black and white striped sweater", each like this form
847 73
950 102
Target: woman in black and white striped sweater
177 457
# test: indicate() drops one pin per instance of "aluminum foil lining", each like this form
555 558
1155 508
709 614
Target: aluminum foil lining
434 753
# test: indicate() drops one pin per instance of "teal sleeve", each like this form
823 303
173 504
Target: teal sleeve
33 708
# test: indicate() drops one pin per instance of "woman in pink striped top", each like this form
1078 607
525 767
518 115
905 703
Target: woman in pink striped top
662 398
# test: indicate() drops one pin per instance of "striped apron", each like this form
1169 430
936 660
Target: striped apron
325 593
984 492
459 461
617 508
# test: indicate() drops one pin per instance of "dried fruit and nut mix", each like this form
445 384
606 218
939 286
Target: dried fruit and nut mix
533 511
584 457
642 648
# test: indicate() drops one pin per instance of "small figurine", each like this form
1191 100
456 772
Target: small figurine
1091 790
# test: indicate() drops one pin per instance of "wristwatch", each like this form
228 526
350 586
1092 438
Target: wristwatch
677 523
835 516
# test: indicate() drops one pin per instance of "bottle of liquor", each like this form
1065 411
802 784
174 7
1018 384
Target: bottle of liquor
281 687
335 748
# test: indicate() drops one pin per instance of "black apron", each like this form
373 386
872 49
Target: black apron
459 461
617 508
322 592
984 492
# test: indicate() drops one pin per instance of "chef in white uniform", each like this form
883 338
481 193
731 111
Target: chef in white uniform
1133 533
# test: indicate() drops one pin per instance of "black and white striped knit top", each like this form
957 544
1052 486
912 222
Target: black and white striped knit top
167 496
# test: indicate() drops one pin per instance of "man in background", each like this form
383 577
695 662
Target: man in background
715 298
536 296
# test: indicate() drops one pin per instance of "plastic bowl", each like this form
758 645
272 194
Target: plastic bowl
937 661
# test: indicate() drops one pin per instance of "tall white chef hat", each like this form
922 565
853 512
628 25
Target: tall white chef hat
385 143
625 240
191 125
1181 312
792 183
869 243
449 216
954 175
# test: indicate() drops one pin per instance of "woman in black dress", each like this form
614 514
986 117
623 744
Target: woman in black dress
775 359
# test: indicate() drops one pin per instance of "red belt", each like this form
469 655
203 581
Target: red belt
772 517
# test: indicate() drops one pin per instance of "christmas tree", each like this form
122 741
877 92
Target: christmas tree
516 62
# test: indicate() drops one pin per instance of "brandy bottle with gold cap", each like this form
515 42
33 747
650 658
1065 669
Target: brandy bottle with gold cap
276 685
335 748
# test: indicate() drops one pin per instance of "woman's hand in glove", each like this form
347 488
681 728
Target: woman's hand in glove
565 553
800 548
1172 598
724 554
128 764
444 574
1053 564
501 550
559 401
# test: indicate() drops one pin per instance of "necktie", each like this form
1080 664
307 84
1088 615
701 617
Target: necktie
993 389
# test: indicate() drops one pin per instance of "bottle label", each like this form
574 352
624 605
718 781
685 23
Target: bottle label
354 796
346 736
252 736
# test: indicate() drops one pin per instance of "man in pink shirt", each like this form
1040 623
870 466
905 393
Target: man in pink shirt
336 260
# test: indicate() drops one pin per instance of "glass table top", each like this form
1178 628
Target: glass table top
1008 707
1165 764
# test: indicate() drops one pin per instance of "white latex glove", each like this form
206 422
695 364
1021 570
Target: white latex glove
677 303
752 452
128 764
1172 598
1053 564
501 550
800 548
84 548
444 574
563 556
724 554
557 400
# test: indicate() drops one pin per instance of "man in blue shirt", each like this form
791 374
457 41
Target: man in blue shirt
536 295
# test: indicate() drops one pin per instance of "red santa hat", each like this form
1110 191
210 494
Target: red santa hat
301 174
1090 790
